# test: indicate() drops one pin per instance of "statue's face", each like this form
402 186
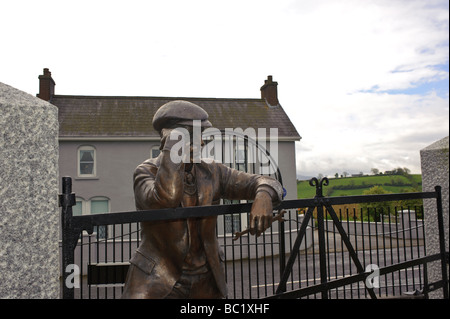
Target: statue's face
193 140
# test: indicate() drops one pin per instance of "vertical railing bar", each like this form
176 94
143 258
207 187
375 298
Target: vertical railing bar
307 254
114 260
130 241
335 257
290 246
349 258
98 259
328 250
411 246
370 235
89 263
369 230
322 252
264 263
282 247
272 259
418 243
66 201
306 245
425 265
257 265
327 231
377 245
440 217
404 247
241 264
225 248
122 238
81 265
249 264
416 208
384 249
234 259
342 254
105 243
356 242
398 248
138 242
392 249
313 244
363 240
225 266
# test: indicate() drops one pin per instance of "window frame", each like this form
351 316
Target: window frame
86 209
94 168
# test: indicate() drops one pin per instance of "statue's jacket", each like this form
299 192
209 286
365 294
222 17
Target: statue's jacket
158 183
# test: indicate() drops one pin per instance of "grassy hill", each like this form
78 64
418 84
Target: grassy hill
357 185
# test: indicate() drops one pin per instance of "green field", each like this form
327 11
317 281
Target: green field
357 185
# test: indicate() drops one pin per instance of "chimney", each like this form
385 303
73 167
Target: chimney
269 92
46 86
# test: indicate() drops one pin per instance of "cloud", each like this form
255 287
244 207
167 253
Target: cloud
364 82
356 65
377 130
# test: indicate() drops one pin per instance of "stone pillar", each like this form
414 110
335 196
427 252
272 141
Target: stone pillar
435 169
29 213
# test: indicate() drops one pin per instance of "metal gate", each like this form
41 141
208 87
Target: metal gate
329 253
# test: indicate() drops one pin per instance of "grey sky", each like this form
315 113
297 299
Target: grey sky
364 82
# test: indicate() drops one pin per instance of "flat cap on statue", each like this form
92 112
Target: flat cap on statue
179 113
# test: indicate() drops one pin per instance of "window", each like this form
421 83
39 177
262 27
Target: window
78 210
96 205
233 222
100 205
154 152
86 161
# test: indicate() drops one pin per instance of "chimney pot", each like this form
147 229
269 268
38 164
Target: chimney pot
269 92
46 85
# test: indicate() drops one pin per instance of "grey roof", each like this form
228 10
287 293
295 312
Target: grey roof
121 116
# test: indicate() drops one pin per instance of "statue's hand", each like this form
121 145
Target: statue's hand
261 213
166 142
170 137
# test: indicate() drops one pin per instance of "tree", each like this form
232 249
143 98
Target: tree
375 171
401 171
374 210
412 204
345 174
336 175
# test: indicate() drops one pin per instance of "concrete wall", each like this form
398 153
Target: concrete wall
435 170
29 264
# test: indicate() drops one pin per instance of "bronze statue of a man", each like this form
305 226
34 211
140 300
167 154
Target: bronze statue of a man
182 258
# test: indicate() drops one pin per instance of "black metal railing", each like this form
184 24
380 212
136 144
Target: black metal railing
334 248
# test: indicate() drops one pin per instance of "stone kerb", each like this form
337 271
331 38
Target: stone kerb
29 222
435 170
